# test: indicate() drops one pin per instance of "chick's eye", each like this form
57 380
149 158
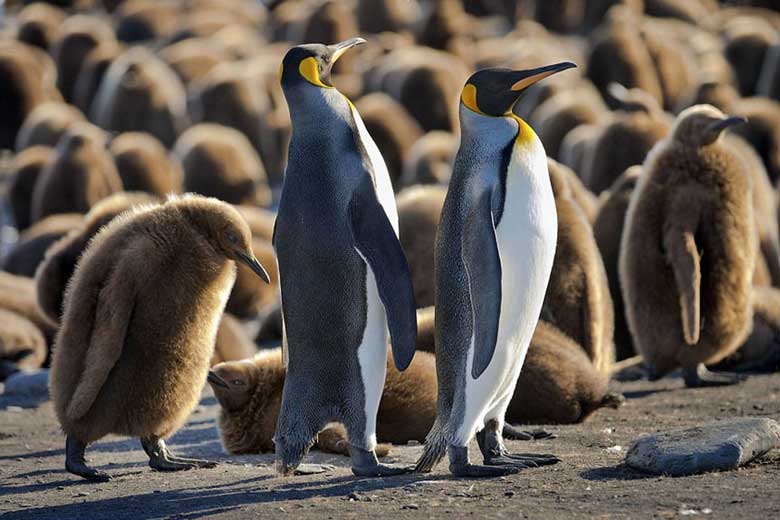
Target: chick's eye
237 382
232 237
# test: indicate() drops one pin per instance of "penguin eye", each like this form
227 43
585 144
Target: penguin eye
237 382
232 237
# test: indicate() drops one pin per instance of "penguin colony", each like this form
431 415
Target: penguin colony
433 243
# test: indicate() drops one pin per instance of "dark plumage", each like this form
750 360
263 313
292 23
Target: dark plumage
93 70
144 164
430 159
29 250
232 343
17 295
577 300
608 230
688 250
39 24
129 317
22 344
27 166
81 174
46 124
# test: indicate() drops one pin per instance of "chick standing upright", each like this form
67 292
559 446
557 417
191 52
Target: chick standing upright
688 251
139 325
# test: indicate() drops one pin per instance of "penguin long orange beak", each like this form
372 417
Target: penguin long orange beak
215 380
525 78
255 265
338 49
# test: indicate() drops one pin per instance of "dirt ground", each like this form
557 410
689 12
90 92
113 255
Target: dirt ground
589 482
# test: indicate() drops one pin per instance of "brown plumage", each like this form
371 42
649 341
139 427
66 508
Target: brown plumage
93 70
250 294
419 210
129 317
29 250
688 250
138 22
220 162
769 80
24 84
139 79
721 95
762 130
57 267
79 34
608 230
626 141
261 221
232 342
192 59
270 332
46 124
252 397
558 384
673 60
17 294
391 127
26 168
81 174
426 329
22 344
748 39
376 16
144 164
577 300
39 24
430 159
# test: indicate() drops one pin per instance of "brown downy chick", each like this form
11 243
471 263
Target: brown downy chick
22 345
220 162
192 59
46 124
558 384
79 34
561 113
92 72
747 41
577 300
140 80
261 221
232 343
626 141
688 251
82 174
38 24
27 166
144 164
392 128
419 210
377 16
430 159
130 318
762 130
29 250
250 394
57 267
426 330
17 294
608 230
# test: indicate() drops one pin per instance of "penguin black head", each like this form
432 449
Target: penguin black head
311 63
701 125
493 92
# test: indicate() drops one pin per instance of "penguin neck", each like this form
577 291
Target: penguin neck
315 108
485 132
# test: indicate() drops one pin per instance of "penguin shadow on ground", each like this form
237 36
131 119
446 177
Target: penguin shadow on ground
618 472
217 499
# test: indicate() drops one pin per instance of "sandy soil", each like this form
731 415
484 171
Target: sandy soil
589 482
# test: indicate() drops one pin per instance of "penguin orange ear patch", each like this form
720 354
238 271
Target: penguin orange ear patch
469 98
310 69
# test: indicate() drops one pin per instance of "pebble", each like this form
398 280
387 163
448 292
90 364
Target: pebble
410 506
716 446
509 493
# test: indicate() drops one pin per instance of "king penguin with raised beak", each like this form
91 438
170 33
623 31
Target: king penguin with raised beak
345 281
494 253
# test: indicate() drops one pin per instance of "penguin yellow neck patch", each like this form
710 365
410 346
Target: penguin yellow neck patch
469 98
525 134
310 70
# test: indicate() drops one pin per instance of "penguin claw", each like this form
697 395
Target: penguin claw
198 463
381 470
525 460
514 433
475 471
84 471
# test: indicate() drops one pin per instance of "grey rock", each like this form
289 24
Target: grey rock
716 446
28 384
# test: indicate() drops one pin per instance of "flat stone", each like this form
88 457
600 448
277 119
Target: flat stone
716 446
33 384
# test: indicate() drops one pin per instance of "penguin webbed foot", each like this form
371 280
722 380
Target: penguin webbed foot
491 444
161 459
701 377
516 434
462 468
76 463
365 464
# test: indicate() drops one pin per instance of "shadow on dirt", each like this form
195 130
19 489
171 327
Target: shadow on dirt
619 472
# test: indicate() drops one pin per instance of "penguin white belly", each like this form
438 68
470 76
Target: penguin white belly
372 356
384 188
526 237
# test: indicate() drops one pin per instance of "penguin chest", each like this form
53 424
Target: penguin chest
526 237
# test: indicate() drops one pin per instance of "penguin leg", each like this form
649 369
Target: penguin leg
514 433
161 459
76 463
699 377
461 467
491 444
365 464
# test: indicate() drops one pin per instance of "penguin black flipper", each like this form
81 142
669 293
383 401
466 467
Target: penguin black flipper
377 242
479 250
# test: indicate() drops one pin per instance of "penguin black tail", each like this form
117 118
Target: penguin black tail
435 448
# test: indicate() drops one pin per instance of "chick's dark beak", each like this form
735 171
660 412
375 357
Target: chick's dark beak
719 126
215 380
254 264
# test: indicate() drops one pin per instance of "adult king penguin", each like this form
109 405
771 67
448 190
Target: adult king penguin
494 253
343 275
